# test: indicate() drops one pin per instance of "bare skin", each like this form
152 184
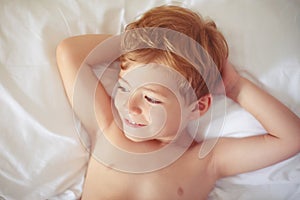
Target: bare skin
188 177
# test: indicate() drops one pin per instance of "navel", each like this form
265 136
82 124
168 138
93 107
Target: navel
180 191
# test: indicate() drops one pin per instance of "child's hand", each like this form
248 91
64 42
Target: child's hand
230 79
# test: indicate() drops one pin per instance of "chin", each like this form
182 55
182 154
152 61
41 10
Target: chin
133 139
162 140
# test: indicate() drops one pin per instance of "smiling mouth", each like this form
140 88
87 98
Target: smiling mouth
133 124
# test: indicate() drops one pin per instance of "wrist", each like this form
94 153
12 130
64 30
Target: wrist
234 91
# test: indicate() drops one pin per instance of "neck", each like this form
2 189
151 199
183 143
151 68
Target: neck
183 139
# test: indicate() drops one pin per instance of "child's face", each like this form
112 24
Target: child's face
149 104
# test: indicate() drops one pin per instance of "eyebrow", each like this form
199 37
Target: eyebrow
120 77
145 87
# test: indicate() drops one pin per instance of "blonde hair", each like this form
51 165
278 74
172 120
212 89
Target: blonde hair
187 22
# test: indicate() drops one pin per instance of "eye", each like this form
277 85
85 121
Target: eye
152 100
123 89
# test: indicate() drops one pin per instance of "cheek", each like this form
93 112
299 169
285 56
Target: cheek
177 117
120 100
117 101
174 117
157 114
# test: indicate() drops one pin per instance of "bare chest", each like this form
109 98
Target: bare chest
184 179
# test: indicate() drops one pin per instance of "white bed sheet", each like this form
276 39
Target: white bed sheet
41 156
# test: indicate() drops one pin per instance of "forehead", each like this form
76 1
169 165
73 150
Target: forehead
151 74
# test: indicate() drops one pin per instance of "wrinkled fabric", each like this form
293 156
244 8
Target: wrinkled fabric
41 155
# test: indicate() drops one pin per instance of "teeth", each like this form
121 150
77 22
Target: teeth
133 123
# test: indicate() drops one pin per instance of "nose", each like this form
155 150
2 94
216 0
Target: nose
134 105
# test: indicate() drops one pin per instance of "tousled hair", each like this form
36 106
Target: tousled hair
186 22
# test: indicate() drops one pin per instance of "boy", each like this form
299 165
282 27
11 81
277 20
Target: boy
153 111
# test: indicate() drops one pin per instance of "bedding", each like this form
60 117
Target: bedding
41 155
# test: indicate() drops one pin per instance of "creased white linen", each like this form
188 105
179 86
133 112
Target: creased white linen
41 156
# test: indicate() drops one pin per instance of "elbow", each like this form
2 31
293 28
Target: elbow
70 51
62 52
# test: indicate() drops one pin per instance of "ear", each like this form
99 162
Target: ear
200 107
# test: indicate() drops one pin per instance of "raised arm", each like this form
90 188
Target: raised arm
71 53
237 155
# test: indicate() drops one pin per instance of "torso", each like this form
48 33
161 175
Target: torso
187 178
